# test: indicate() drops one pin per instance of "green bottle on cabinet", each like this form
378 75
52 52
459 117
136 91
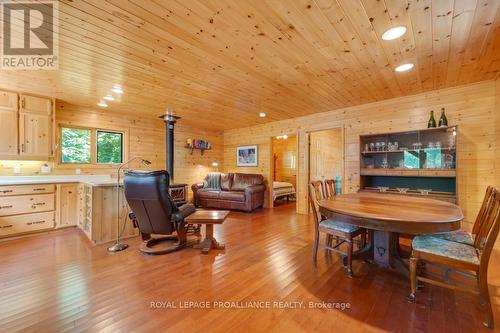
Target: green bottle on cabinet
432 121
443 121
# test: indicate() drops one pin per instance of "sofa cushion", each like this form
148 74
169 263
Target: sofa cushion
243 180
208 194
232 195
226 180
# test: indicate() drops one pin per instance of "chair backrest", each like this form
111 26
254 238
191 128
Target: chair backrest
480 215
488 233
315 194
330 190
148 197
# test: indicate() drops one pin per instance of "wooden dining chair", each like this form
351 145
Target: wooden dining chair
461 257
329 187
343 232
464 236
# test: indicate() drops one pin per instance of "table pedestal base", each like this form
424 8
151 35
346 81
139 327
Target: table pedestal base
209 242
383 249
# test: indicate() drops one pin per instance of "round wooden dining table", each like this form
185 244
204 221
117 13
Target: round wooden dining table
385 216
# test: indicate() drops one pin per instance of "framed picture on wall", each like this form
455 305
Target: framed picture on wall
246 155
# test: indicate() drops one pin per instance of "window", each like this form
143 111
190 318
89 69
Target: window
109 147
75 145
91 146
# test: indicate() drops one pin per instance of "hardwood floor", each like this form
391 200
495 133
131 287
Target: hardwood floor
59 282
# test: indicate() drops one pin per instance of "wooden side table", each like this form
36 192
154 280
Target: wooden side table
208 218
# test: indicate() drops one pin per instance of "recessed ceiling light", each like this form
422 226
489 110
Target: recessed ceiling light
262 114
403 67
102 104
117 90
109 98
394 33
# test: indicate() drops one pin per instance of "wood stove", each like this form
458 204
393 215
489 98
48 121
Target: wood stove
179 193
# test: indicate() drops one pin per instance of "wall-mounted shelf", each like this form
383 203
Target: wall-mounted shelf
407 150
202 150
198 144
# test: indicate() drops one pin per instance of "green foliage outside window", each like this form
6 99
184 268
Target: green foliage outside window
75 145
109 147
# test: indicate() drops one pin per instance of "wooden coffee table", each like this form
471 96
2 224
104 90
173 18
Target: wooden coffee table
208 218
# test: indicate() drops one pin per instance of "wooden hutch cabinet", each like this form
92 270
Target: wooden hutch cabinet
419 163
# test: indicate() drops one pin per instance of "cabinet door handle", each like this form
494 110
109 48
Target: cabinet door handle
6 191
6 226
3 207
35 222
39 204
23 103
39 189
22 147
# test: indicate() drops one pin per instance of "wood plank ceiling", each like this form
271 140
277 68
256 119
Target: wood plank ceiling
220 62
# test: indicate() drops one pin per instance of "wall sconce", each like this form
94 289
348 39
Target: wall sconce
282 137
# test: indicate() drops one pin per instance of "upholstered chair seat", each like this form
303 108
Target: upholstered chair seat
336 225
446 248
458 236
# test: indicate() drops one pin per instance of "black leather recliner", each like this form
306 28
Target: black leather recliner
154 211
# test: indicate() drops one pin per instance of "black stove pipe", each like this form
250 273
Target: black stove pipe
170 121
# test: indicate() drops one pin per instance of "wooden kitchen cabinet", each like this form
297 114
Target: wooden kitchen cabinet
34 130
8 123
68 205
26 223
27 126
36 126
98 213
36 104
8 100
26 204
26 209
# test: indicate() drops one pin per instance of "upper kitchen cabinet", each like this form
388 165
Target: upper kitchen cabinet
36 127
8 123
27 128
36 104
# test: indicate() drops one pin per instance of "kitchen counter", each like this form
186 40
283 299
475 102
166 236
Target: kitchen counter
42 203
93 180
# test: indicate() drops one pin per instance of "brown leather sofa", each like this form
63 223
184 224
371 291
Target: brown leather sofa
239 191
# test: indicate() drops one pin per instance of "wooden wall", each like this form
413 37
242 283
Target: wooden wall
497 131
285 155
326 154
146 139
471 107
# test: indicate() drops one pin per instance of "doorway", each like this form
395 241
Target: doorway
284 171
326 156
